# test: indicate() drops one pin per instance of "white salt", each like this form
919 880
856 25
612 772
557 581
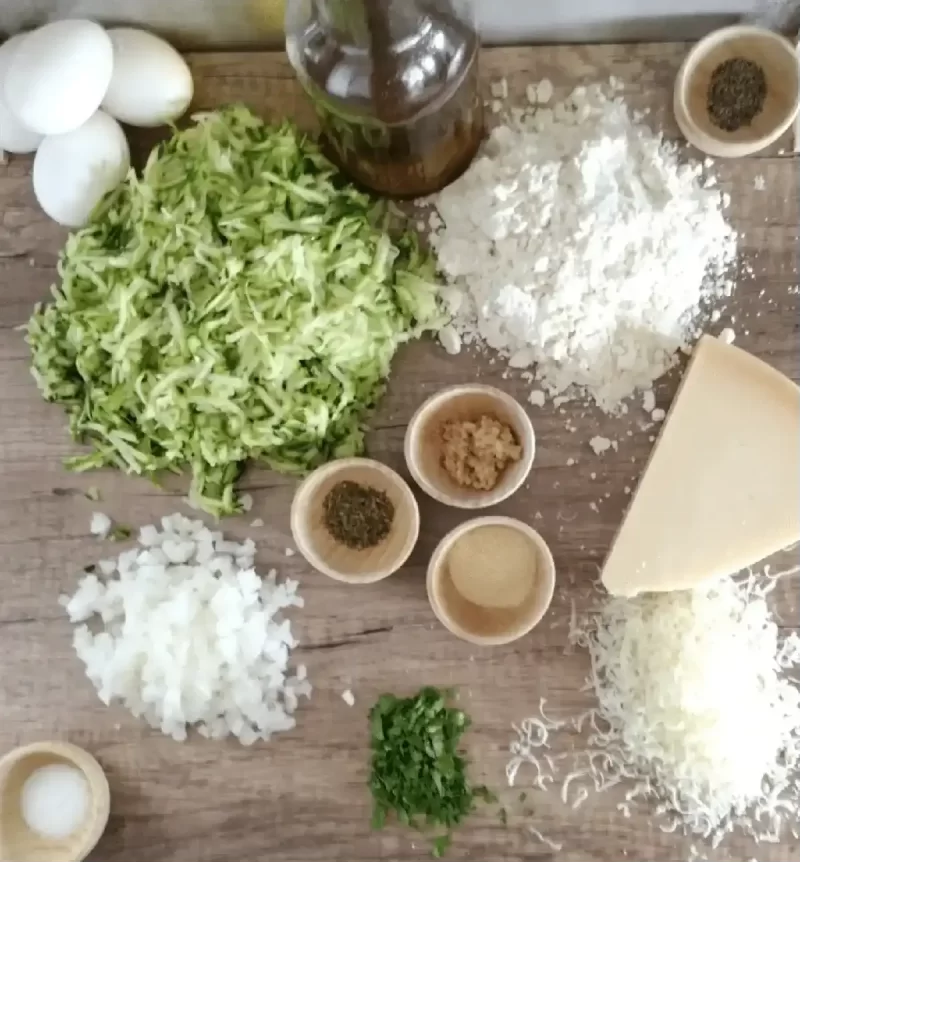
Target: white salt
54 801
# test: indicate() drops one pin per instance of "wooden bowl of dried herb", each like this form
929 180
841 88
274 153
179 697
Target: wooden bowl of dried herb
355 520
737 91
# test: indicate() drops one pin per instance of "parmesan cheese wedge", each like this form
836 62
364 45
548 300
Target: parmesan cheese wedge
721 488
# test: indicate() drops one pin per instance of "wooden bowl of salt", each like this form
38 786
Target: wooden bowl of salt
54 803
491 580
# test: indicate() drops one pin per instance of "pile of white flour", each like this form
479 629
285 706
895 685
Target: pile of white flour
583 248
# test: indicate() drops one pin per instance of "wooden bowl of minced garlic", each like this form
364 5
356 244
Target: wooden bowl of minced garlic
470 446
491 580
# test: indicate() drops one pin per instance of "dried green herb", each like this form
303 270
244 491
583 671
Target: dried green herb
356 516
120 532
736 94
416 770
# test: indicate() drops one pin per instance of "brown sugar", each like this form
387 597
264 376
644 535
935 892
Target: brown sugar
475 453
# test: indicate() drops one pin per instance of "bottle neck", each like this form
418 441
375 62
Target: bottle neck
372 23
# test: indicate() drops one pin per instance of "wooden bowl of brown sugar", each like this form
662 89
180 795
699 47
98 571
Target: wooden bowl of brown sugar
470 446
737 91
356 520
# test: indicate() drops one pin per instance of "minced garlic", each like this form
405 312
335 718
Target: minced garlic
475 453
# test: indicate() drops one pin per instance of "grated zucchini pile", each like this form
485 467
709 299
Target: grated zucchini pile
237 300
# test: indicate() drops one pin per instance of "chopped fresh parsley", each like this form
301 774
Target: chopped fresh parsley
417 773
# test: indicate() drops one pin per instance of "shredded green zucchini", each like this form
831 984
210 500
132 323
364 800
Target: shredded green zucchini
237 300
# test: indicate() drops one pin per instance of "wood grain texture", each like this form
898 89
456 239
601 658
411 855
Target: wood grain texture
304 796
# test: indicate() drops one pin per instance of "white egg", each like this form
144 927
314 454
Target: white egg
58 75
151 83
73 171
15 137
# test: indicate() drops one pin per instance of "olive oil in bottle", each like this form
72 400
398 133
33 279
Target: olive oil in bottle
395 84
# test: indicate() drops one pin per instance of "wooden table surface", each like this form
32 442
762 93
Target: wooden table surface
304 795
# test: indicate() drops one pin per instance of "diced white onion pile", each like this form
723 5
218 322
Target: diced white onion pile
191 635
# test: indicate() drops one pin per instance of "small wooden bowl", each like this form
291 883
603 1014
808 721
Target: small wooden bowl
17 841
336 560
778 59
489 626
423 444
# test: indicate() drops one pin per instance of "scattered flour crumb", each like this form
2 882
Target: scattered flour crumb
570 462
600 444
758 183
348 697
247 502
649 401
626 489
289 552
657 415
728 336
536 398
257 522
496 106
450 340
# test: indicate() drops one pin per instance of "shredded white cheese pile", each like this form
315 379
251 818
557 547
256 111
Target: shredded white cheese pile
695 712
190 635
692 688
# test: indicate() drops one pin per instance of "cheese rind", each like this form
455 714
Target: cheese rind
721 488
